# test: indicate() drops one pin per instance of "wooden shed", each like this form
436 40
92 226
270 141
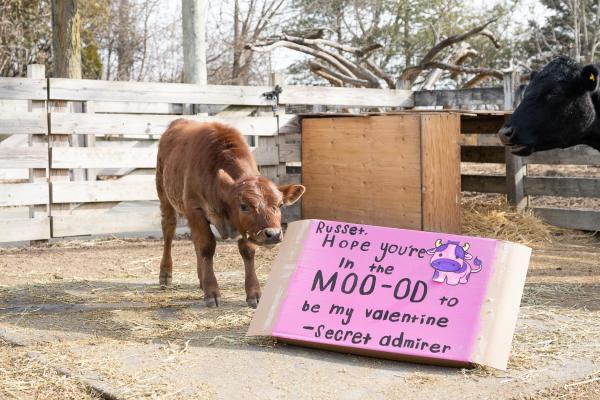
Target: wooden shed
397 170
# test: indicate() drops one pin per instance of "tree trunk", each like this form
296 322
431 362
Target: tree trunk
237 44
194 41
124 42
66 43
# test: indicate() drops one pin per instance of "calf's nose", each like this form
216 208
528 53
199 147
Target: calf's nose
273 234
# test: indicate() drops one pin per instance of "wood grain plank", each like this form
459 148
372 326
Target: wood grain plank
562 186
362 170
16 230
483 183
440 169
23 157
352 97
27 123
582 219
131 124
482 154
102 191
22 89
578 155
105 223
98 90
23 194
100 157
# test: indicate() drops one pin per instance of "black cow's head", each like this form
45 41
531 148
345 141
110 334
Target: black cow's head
557 110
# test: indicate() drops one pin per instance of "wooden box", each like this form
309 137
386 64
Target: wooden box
397 170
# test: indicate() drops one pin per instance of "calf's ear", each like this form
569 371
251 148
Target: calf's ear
291 193
225 181
589 77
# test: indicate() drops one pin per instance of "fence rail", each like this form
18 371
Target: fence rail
480 147
81 160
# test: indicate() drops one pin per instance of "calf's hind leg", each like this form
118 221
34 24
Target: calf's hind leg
204 244
168 223
253 293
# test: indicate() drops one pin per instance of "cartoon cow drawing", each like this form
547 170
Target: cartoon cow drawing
449 260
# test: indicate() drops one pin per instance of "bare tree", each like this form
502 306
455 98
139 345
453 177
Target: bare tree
194 41
66 43
342 64
125 41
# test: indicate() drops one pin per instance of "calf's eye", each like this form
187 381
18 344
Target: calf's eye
244 207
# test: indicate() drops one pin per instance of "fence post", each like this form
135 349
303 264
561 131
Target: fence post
273 172
515 169
37 71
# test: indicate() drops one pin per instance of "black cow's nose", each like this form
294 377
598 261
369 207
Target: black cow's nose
273 234
505 133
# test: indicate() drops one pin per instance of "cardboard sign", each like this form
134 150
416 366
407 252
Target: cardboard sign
394 293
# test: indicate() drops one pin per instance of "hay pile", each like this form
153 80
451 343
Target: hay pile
24 377
491 216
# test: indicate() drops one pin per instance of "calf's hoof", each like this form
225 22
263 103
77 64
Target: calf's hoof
253 300
253 303
165 280
212 301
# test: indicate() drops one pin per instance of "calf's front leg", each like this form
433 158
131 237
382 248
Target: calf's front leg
204 244
247 251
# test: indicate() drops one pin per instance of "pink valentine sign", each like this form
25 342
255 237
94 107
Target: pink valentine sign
394 293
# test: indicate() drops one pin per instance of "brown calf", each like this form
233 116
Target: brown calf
205 171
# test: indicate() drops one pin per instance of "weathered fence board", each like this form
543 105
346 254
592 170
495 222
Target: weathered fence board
483 183
572 218
128 124
96 90
103 157
22 89
100 191
23 194
457 98
23 123
578 155
23 157
96 157
352 97
482 123
111 222
477 154
562 186
16 230
135 107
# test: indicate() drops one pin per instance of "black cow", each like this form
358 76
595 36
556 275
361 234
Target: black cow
560 108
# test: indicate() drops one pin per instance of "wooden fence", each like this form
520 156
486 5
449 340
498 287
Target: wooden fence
88 148
83 152
481 145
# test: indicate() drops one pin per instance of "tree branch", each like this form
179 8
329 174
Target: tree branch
411 73
458 68
304 49
314 67
379 73
475 80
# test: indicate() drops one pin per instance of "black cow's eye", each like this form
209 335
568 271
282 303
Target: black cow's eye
244 207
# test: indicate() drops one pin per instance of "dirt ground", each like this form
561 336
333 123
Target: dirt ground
84 314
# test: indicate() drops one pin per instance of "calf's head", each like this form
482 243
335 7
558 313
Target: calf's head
557 110
449 257
255 206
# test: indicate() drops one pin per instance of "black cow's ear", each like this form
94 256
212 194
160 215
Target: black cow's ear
532 75
589 77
